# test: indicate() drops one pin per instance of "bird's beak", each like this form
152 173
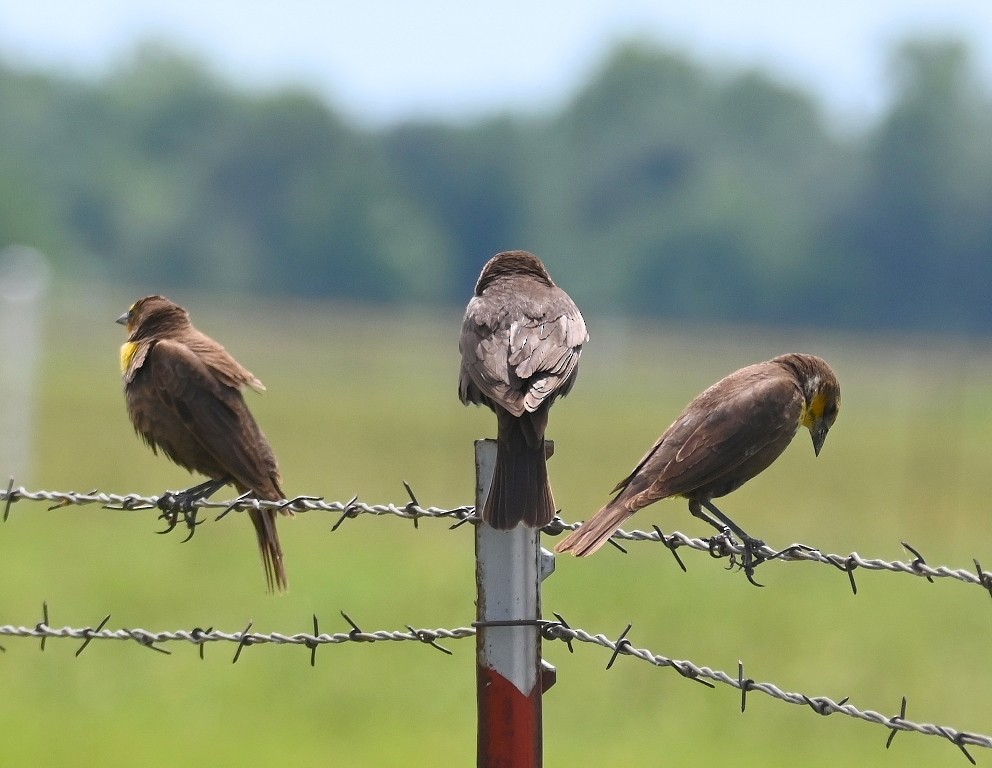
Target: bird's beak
819 435
122 320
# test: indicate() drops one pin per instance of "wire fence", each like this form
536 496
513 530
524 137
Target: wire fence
558 630
717 546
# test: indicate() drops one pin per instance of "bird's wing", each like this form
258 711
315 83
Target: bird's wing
715 435
221 362
485 375
214 414
520 363
544 351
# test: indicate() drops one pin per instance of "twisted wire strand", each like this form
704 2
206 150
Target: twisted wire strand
802 553
821 705
715 546
299 505
200 636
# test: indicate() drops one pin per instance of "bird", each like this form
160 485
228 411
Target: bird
183 396
520 343
728 434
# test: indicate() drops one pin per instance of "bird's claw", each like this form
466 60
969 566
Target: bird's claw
176 505
751 558
724 545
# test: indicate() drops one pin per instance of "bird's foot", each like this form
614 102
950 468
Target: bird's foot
176 505
750 557
722 545
179 505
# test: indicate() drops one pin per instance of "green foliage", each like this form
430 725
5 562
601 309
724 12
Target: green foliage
662 187
921 219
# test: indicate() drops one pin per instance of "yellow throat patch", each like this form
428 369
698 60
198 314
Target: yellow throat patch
128 350
814 412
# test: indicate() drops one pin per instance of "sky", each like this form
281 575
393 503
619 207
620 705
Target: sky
381 61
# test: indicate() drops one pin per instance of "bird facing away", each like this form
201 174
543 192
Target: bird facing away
723 438
520 344
183 394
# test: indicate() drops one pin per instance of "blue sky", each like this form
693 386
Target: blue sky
381 61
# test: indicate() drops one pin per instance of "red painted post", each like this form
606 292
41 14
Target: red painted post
509 568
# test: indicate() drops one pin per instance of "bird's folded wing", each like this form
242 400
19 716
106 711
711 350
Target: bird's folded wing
215 414
711 438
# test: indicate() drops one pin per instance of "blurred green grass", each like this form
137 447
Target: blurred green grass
359 399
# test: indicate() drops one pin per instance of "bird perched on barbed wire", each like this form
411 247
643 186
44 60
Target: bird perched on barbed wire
520 344
723 438
183 394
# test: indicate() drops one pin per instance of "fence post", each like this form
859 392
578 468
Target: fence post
510 676
24 275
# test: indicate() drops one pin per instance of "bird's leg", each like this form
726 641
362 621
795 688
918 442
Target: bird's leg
696 510
752 556
176 503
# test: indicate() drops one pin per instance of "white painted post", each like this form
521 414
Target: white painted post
23 281
510 566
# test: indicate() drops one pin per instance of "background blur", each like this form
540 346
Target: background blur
713 184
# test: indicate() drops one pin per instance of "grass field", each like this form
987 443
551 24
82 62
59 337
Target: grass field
358 402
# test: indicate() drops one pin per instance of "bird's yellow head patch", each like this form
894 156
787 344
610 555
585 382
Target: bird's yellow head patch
821 412
823 408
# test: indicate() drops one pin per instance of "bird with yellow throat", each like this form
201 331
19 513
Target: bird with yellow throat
183 395
724 437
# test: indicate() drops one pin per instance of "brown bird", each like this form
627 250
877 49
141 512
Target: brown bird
183 393
520 344
723 438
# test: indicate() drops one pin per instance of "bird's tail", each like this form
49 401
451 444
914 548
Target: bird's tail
595 531
264 521
520 491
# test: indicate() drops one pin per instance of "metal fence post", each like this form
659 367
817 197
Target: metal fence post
510 678
24 276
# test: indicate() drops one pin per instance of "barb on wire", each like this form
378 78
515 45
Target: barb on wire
197 634
9 498
89 635
350 510
243 643
671 544
918 563
312 644
414 503
984 577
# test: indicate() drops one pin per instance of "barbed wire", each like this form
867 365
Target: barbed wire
558 630
821 705
172 508
170 503
201 636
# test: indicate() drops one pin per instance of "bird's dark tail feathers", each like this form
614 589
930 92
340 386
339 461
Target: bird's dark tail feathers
595 531
520 491
264 521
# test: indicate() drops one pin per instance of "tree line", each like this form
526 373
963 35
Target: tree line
661 187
